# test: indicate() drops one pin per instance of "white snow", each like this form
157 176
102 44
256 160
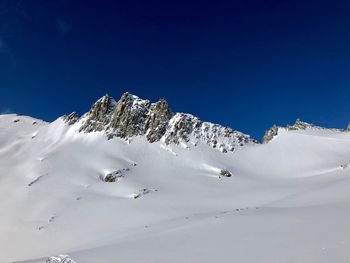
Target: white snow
287 201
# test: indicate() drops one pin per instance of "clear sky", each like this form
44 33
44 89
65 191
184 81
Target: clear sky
245 64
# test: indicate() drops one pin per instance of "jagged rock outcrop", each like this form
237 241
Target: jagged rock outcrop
71 118
348 128
158 120
301 125
270 134
132 116
99 116
60 259
129 117
225 173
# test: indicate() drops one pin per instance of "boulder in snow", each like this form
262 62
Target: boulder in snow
60 259
225 173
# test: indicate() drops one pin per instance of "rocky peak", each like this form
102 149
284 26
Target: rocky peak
132 116
99 114
129 117
71 118
300 125
158 120
348 128
102 108
270 134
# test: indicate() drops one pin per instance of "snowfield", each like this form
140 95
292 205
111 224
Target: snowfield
110 201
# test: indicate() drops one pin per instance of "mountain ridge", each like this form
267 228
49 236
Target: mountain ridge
132 116
298 125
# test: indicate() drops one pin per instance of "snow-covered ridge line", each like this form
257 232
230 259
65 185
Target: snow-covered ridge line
132 116
298 125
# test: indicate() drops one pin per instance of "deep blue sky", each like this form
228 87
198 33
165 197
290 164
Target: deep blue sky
245 64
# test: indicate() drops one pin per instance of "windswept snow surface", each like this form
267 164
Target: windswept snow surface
287 201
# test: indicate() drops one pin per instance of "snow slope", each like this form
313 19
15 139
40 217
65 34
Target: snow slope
287 201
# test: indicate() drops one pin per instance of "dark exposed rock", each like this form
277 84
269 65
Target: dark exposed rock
129 117
99 115
225 173
299 125
270 134
132 116
112 177
109 178
158 120
71 118
60 259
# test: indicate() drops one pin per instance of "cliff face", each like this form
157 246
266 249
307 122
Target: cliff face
158 120
129 117
270 134
132 116
99 115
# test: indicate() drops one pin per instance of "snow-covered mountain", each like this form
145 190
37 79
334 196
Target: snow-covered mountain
131 181
132 116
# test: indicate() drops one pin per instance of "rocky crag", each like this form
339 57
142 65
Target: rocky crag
132 116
